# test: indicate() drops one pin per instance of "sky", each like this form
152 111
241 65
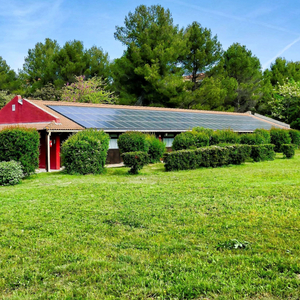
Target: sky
268 28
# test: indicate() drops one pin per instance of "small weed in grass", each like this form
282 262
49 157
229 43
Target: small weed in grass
233 244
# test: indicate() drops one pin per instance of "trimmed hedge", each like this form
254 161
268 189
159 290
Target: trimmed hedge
20 144
213 156
132 141
265 134
135 160
262 152
156 148
295 137
279 137
252 139
225 136
85 152
288 150
190 139
10 172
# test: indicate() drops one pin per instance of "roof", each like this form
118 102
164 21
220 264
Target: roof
68 116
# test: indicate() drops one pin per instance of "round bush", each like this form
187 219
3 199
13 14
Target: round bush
132 141
288 150
85 152
20 144
295 137
228 136
156 148
279 137
190 139
10 172
265 134
135 160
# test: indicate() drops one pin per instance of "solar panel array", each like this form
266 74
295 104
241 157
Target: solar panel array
119 119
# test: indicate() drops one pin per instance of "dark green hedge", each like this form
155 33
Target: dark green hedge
156 148
279 137
251 139
190 139
265 134
295 137
262 152
288 150
10 172
213 156
85 152
135 160
20 144
132 141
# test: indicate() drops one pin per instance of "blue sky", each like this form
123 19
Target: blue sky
268 28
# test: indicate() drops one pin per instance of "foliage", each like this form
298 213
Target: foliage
22 145
48 92
156 148
252 139
262 152
279 137
207 131
8 78
5 97
285 104
226 136
188 139
48 63
85 152
92 90
148 70
239 63
135 160
295 137
288 150
10 172
132 141
213 156
265 134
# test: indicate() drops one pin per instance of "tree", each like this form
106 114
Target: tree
92 90
282 69
239 63
149 67
285 104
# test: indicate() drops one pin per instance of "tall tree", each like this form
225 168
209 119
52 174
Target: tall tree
239 63
149 68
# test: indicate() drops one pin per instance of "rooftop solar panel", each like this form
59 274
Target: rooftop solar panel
154 120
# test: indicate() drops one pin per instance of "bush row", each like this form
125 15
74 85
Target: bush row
215 156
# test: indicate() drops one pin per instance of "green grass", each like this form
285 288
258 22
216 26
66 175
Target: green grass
154 235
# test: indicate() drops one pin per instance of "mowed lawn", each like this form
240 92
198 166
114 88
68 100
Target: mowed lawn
155 235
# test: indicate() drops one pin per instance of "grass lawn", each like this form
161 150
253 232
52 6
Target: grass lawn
155 235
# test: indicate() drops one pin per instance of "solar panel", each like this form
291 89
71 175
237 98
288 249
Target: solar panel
152 120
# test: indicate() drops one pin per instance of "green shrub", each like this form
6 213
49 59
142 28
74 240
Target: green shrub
22 145
132 141
186 140
10 172
265 134
214 139
213 156
135 160
228 136
295 137
262 152
85 152
279 137
207 131
252 139
288 150
156 148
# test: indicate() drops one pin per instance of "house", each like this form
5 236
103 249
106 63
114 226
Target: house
55 121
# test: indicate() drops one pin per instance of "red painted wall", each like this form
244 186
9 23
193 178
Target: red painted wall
24 113
42 157
55 152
